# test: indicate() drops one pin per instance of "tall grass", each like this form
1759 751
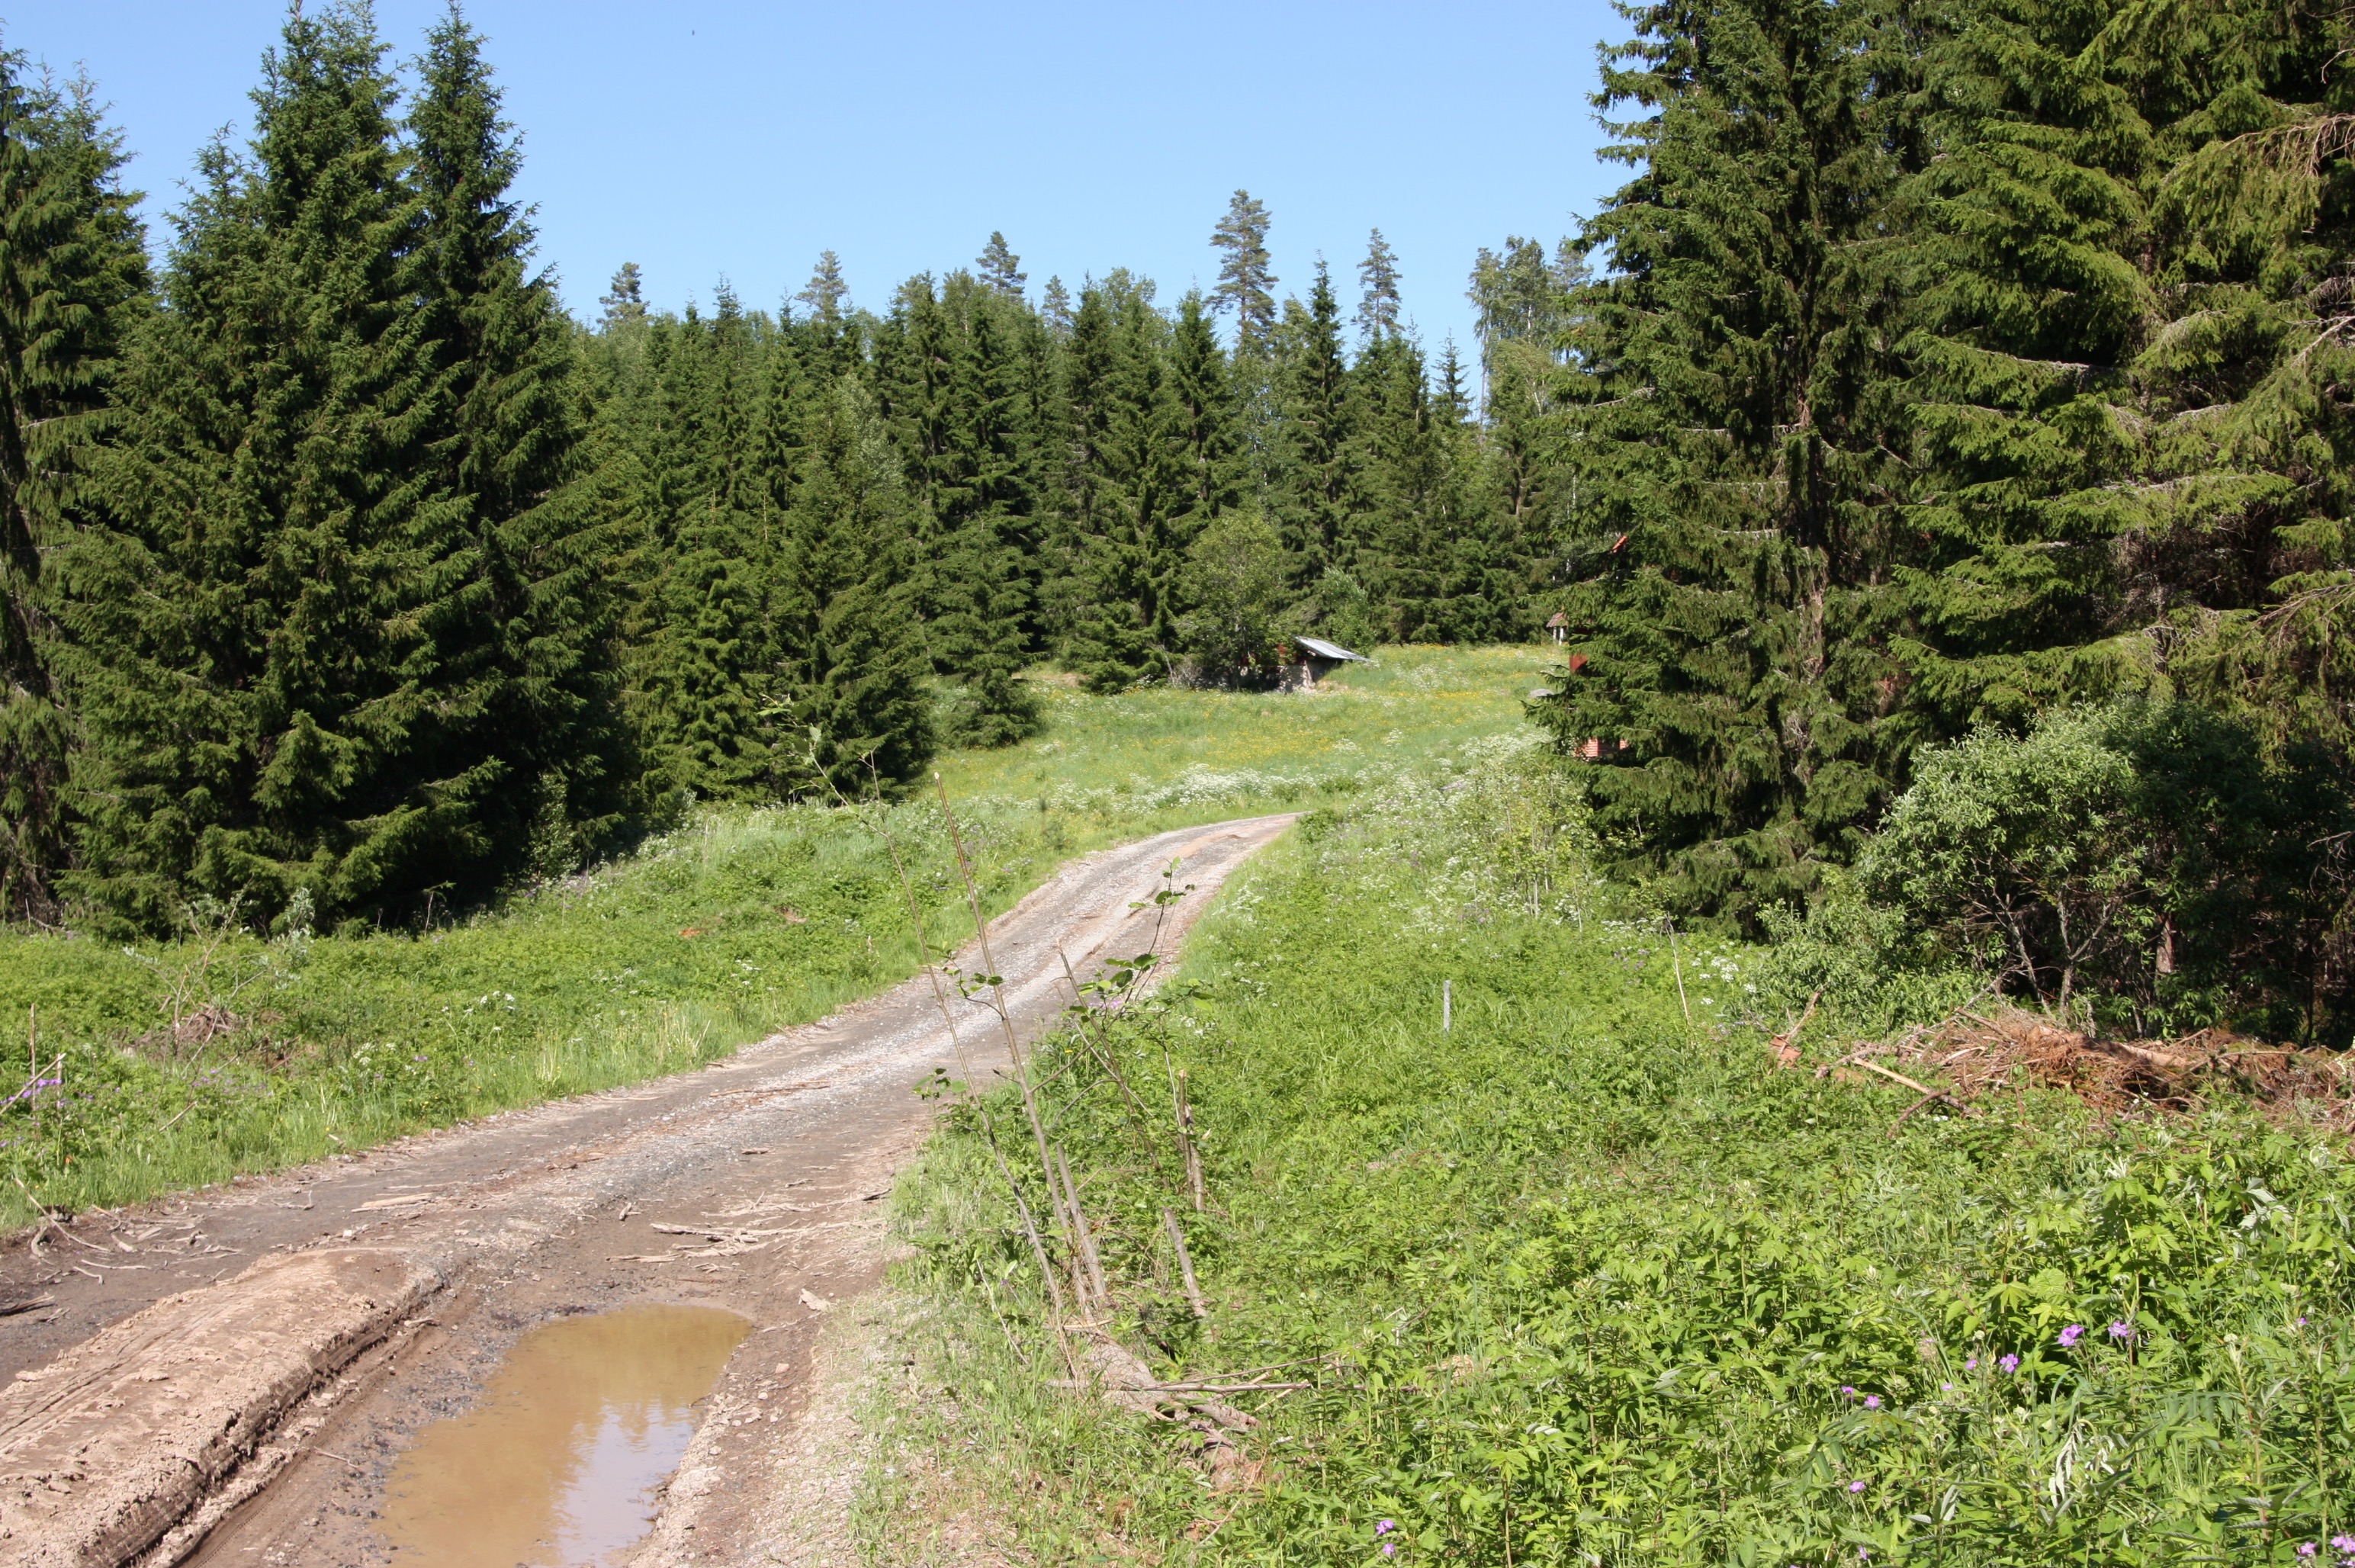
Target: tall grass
1580 1281
190 1060
744 923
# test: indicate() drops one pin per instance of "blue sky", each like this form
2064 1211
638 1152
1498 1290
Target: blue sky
704 140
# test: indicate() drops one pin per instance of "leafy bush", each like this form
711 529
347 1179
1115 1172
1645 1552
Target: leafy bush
1234 573
2145 862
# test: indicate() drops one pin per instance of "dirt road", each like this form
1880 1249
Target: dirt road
296 1333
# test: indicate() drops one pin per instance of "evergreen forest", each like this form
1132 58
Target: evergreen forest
1941 367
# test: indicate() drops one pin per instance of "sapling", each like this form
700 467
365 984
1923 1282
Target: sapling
996 985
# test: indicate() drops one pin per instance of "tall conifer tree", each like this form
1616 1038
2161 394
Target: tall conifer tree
1377 278
1203 406
1001 269
257 661
849 701
1732 665
701 656
72 280
1246 275
1128 535
983 589
1315 506
530 632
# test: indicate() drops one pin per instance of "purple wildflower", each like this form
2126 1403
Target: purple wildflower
2306 1548
2343 1542
2010 1363
2122 1330
1384 1526
1849 1389
1390 1549
2071 1335
1972 1365
1947 1388
1872 1402
1855 1486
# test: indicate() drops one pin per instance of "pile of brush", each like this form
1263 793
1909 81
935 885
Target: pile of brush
1972 1055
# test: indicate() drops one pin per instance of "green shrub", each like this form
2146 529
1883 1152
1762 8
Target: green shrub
2145 863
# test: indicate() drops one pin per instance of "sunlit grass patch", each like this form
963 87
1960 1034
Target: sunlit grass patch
1161 750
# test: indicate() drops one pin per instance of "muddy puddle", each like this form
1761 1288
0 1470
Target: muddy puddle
557 1465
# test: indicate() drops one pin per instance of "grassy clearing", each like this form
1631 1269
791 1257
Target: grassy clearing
701 941
1182 756
1576 1282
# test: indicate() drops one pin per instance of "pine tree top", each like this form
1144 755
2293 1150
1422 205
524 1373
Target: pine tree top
1001 269
1247 276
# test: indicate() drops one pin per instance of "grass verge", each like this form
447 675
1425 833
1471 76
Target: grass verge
171 1065
1577 1281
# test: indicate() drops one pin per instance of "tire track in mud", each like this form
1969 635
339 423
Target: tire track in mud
294 1333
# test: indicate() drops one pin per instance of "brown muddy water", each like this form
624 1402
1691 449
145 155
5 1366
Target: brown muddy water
560 1463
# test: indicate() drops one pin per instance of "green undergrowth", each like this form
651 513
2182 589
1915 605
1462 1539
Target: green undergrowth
1579 1281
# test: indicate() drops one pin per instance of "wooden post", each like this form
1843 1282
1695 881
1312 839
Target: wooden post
1677 959
1185 1143
1446 1006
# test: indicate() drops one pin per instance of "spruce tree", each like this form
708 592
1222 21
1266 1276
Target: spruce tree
848 703
1733 672
701 652
1402 460
255 630
528 632
826 294
1055 307
1127 530
1317 505
984 589
1202 390
623 303
1377 278
72 282
2128 260
1460 594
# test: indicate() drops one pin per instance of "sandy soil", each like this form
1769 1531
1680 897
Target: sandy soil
771 1164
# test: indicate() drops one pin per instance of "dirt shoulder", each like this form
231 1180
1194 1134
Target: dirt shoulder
768 1168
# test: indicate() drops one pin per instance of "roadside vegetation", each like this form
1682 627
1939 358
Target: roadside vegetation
1611 1268
238 1045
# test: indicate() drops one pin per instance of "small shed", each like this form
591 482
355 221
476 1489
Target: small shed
1320 658
1558 627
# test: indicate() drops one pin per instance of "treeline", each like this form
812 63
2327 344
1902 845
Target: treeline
1956 363
345 573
